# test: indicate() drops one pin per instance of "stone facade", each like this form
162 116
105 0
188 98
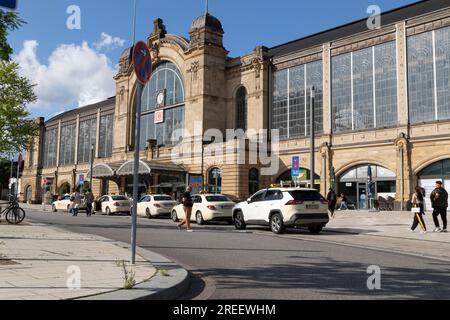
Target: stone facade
211 80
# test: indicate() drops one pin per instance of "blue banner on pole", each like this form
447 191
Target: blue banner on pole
296 166
9 4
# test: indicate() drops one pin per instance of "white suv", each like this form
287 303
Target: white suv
283 207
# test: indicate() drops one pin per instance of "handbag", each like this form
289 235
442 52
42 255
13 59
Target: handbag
415 209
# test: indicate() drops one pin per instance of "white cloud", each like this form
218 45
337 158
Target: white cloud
108 42
74 74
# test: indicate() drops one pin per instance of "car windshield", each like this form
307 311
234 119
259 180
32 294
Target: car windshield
305 195
162 198
119 198
217 198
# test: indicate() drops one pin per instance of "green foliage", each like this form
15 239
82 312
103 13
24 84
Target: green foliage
5 172
16 129
9 21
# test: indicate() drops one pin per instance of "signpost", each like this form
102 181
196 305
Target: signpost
143 68
9 4
295 166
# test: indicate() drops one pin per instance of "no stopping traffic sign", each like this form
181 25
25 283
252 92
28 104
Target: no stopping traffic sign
142 62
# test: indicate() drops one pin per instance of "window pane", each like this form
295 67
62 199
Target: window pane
363 111
314 72
341 92
443 72
297 110
106 136
386 84
279 108
421 78
241 109
67 145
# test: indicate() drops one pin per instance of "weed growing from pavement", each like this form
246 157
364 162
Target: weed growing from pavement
128 276
164 273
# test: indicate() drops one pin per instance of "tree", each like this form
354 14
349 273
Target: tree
16 129
9 21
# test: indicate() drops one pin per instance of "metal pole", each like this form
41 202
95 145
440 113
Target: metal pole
17 181
313 133
92 166
11 172
402 179
203 174
136 172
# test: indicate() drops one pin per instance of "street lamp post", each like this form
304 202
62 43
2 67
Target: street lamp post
312 130
92 166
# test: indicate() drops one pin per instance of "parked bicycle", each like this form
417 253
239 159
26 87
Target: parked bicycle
13 213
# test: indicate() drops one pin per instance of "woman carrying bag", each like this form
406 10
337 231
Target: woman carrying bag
417 203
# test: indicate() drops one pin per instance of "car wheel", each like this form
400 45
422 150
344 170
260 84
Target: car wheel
108 211
315 229
277 224
54 208
239 221
199 218
148 213
174 216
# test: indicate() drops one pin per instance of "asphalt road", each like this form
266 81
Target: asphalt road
255 264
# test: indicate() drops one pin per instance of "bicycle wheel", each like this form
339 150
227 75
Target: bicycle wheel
15 215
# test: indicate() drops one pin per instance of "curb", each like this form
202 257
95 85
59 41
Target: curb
159 287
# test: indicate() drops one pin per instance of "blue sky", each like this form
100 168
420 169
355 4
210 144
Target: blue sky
72 67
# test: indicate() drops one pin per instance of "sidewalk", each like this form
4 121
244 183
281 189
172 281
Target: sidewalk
388 230
37 263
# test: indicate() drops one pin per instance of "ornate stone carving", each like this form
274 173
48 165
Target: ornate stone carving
194 70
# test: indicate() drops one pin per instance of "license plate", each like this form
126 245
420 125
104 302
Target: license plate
312 206
227 207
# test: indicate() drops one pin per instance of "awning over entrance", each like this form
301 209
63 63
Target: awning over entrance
103 170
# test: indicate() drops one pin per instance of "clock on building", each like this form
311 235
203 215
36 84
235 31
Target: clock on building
161 98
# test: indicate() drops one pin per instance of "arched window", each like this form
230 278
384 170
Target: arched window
163 106
241 109
253 181
215 181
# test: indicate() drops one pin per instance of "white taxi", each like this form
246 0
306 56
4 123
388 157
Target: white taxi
113 204
63 204
207 207
155 206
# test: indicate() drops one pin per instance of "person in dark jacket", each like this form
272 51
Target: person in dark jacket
187 206
439 202
332 200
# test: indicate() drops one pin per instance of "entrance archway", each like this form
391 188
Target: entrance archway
354 185
303 180
64 189
438 171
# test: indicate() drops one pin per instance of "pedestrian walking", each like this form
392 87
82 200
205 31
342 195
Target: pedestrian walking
332 200
75 202
344 205
187 206
418 209
439 202
89 197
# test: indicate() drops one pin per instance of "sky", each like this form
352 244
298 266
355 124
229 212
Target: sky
75 67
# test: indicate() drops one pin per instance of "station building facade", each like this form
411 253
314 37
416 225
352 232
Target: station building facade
382 100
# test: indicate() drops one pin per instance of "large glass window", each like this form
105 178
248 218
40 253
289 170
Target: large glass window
429 76
106 136
364 88
86 138
163 94
291 99
50 147
67 145
241 109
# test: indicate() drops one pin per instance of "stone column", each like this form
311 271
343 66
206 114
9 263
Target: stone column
327 111
402 80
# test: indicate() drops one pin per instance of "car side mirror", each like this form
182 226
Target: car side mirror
249 200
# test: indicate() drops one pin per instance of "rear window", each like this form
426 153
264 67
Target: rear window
119 198
162 198
217 199
305 195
